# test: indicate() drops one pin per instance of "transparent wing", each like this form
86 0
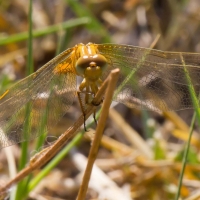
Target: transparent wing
44 95
152 79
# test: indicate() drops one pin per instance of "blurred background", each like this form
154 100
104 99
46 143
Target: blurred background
146 161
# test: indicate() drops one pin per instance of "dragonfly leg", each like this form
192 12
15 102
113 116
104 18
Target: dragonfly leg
95 89
94 117
84 98
84 123
82 108
88 89
81 101
97 104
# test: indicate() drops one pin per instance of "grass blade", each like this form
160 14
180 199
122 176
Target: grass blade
41 32
22 186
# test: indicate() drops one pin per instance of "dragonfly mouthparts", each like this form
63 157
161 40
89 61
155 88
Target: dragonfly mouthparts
93 65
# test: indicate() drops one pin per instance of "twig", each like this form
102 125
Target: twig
52 150
98 135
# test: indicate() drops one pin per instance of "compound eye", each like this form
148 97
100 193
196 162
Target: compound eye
86 61
81 64
100 61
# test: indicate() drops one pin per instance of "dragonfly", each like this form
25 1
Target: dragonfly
149 79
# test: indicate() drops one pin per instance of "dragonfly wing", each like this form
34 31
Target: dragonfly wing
152 79
38 101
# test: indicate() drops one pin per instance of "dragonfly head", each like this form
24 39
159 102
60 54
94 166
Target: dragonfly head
91 66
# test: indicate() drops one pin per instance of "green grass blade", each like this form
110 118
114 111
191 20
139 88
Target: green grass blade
45 31
22 186
193 95
185 157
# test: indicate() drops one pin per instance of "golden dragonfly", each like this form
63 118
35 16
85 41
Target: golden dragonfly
149 79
